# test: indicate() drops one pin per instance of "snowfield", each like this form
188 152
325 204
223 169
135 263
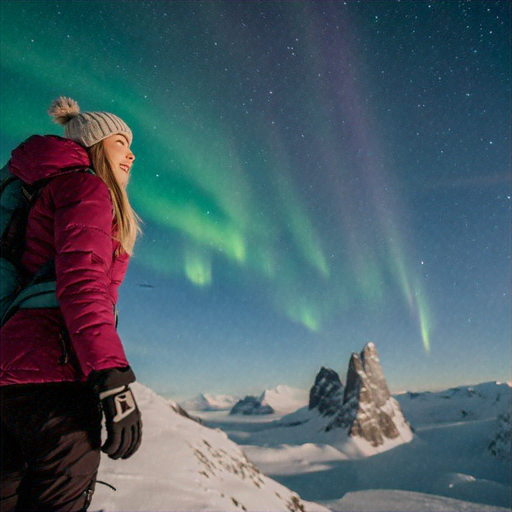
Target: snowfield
183 465
463 454
464 403
386 501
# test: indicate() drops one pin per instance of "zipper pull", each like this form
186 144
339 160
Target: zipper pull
64 358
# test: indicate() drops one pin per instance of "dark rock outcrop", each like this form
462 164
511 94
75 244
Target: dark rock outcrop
251 405
499 447
326 395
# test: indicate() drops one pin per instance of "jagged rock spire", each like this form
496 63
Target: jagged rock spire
368 410
326 395
373 370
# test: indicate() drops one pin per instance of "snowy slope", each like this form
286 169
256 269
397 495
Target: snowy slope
308 427
185 466
404 501
466 460
450 460
464 403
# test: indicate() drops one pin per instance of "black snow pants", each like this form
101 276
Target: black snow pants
51 439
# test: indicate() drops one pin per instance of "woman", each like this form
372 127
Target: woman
62 367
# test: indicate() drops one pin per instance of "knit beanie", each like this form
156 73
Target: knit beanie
86 128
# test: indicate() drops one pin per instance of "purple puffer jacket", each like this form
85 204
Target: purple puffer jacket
71 223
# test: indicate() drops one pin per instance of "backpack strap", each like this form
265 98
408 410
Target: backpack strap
40 292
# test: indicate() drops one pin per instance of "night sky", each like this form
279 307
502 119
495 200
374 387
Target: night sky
312 175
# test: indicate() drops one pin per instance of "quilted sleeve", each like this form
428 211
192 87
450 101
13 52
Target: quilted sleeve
84 256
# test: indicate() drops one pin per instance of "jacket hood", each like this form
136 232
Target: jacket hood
44 156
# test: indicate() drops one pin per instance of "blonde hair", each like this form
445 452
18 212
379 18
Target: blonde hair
127 221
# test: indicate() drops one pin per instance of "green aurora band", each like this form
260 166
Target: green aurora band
193 181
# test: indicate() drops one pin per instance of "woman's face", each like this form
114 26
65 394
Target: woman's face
120 155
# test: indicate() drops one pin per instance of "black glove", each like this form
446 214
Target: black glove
122 416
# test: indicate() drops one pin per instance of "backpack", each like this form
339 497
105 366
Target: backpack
20 289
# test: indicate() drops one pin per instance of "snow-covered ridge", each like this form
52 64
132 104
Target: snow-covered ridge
185 466
252 406
462 403
404 501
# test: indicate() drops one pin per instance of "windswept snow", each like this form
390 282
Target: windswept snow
185 466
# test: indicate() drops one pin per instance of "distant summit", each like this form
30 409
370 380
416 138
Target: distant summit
281 399
368 410
359 419
285 399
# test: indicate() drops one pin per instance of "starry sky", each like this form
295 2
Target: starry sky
312 175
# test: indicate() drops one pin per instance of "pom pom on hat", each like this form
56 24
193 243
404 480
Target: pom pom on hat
86 128
63 110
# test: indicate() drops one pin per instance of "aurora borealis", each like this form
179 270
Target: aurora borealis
312 175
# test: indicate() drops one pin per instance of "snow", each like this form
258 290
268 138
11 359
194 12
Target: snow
464 403
306 426
185 466
449 459
282 399
285 399
406 501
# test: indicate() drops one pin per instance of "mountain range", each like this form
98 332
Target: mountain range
320 452
281 399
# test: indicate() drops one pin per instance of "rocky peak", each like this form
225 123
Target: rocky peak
373 370
326 395
368 410
365 378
